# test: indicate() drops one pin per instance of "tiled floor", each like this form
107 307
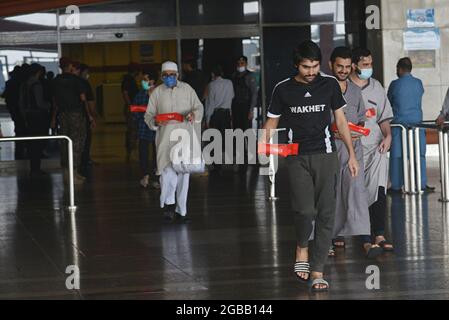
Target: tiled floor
239 245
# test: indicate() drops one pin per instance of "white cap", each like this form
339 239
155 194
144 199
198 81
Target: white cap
169 65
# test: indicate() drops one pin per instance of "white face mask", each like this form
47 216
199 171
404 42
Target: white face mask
241 69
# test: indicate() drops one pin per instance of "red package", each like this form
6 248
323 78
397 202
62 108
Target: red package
138 108
358 130
283 150
370 113
174 116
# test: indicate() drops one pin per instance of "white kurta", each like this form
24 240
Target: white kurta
376 163
181 99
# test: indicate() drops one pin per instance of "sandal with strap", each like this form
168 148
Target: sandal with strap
304 267
314 285
339 242
331 252
385 245
374 251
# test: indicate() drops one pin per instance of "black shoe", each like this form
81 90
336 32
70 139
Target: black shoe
182 219
429 189
169 213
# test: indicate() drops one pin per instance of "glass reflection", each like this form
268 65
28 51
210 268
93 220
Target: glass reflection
327 11
29 22
126 14
198 12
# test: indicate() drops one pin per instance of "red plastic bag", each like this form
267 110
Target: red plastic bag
137 108
166 117
283 150
355 129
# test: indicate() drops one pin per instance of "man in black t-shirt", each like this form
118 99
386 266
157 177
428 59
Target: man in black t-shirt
82 72
129 91
69 97
305 102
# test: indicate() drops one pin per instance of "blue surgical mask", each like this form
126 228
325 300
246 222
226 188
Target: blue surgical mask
365 74
145 85
170 81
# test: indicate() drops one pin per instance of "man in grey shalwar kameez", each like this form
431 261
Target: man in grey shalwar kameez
172 96
376 145
352 215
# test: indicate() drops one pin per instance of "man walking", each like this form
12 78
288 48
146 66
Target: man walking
305 101
376 145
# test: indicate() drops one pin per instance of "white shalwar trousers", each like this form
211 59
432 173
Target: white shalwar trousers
173 185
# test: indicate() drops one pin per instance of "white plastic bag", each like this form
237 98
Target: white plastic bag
186 155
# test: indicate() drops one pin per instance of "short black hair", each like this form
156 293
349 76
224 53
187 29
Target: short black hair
245 58
306 50
34 69
218 71
359 53
405 64
341 52
151 73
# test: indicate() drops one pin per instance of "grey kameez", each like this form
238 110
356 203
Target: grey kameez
351 215
376 163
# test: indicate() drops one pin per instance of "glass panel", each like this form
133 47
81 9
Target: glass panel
46 55
126 14
328 37
275 11
197 12
29 22
327 11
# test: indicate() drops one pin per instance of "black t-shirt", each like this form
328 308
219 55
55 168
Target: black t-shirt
129 85
87 89
67 90
306 111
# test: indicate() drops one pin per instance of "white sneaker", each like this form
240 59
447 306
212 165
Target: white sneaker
144 181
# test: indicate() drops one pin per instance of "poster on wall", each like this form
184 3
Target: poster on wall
421 18
422 39
422 58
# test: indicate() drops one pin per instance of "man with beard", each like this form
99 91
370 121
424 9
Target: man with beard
352 215
306 101
376 145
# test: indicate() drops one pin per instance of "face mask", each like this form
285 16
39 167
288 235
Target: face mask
241 69
365 74
145 85
170 81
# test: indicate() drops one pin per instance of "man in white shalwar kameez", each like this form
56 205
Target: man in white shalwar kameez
179 97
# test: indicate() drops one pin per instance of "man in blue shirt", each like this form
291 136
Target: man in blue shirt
405 95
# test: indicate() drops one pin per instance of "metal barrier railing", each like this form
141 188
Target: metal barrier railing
409 183
411 159
443 150
72 206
